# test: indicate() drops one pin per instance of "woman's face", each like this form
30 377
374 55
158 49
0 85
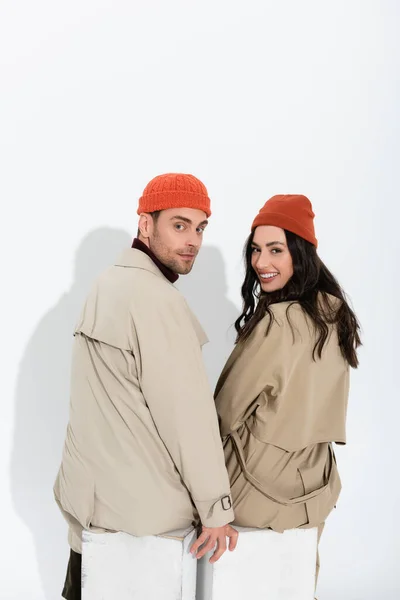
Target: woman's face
271 258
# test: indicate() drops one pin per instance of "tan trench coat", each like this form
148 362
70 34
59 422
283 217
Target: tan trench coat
279 413
142 452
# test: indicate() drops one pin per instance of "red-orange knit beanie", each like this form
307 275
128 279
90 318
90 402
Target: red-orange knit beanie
174 190
292 212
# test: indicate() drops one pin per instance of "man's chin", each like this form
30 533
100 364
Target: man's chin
184 267
184 270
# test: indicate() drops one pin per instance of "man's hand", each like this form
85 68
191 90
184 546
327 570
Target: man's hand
211 536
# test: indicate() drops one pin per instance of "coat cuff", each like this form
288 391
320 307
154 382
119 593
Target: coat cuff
216 513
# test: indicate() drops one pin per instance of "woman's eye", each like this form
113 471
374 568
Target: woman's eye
276 251
254 250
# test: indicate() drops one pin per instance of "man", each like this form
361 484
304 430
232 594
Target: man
143 453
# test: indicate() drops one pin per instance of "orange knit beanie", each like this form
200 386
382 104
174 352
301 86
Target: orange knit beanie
292 212
174 190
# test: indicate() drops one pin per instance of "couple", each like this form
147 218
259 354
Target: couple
144 452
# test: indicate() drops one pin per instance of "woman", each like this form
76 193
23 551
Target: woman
282 396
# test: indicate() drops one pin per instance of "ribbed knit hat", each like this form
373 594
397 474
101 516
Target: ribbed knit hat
174 190
292 212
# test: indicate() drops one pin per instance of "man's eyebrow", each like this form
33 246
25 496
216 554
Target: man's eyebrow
179 218
186 220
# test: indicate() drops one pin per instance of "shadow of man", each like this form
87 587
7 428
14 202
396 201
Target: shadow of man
41 413
205 289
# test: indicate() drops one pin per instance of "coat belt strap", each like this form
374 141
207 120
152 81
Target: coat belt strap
264 488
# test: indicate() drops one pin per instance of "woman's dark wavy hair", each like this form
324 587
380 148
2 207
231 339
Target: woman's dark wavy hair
309 285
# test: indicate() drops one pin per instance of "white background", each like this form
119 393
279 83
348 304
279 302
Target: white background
255 98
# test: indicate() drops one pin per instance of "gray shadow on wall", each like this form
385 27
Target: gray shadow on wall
41 410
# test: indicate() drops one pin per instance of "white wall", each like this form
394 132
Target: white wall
255 98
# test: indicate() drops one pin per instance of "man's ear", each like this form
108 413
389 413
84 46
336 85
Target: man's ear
145 225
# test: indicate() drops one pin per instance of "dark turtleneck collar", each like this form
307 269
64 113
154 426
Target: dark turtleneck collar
166 271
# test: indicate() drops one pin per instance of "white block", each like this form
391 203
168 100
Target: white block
118 566
265 566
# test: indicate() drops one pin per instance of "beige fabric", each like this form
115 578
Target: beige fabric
318 565
279 412
142 453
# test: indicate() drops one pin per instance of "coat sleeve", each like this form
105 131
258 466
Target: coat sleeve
175 387
258 369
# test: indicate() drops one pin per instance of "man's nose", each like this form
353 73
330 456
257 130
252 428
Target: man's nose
193 240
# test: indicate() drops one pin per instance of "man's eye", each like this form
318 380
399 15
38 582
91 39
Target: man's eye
200 229
179 226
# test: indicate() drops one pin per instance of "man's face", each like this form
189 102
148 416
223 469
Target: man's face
175 237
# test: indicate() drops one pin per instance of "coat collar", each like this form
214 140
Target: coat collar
136 259
166 271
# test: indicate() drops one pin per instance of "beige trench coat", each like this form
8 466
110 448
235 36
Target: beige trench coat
142 453
279 413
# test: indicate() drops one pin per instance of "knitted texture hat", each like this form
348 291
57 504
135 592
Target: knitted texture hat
174 190
292 212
